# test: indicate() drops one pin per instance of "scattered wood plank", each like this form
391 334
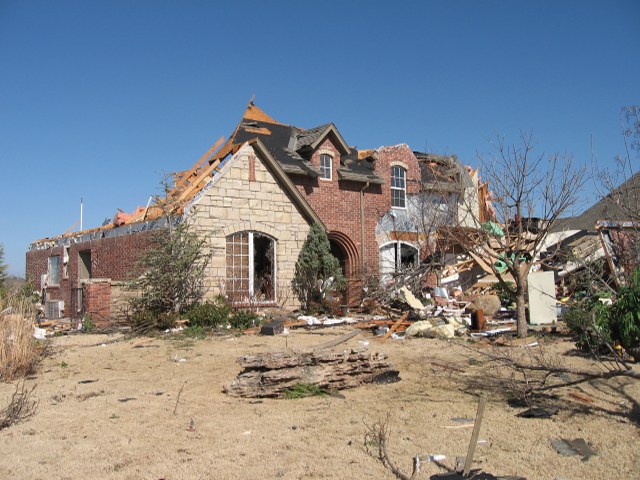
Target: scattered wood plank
583 397
474 436
336 342
395 326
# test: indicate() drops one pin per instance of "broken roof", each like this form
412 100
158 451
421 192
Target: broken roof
607 208
443 172
291 146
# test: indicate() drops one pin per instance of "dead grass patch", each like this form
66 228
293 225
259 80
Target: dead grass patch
20 407
19 351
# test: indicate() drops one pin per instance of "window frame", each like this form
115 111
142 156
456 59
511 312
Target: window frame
240 247
398 186
387 270
324 169
53 273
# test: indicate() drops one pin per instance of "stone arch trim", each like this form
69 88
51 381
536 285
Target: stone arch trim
250 225
398 163
327 151
349 248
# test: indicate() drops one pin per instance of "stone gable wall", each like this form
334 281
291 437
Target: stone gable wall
232 203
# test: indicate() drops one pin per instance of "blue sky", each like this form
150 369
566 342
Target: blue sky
97 99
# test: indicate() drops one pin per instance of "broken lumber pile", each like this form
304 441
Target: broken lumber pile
271 374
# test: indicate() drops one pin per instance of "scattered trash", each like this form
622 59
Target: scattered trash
436 458
462 420
127 399
272 328
174 330
88 381
39 333
179 360
577 446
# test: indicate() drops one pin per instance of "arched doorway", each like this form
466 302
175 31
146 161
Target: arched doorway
347 254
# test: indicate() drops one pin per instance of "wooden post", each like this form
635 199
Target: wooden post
474 437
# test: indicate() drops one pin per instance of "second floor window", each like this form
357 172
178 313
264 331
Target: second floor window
398 187
53 270
325 167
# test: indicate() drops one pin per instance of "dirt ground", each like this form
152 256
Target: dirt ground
153 408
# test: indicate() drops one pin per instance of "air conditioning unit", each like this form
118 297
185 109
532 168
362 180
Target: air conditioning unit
53 309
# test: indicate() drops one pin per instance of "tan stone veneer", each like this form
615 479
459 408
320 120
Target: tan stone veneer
232 203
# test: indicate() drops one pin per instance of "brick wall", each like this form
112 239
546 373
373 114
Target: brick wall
112 258
98 301
337 202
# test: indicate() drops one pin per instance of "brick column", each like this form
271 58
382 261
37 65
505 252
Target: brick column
98 301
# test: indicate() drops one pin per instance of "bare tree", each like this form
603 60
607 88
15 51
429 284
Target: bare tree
529 193
621 185
621 199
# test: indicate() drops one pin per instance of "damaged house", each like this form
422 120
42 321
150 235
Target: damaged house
254 197
602 241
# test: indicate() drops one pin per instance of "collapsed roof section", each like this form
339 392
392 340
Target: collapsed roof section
443 173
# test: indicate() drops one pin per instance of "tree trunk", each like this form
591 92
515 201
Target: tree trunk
521 312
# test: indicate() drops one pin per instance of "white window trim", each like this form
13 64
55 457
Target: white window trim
251 270
398 251
392 188
330 157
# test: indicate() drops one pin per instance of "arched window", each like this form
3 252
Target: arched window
325 166
250 268
398 187
395 257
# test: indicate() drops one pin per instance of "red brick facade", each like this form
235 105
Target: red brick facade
112 258
98 301
337 202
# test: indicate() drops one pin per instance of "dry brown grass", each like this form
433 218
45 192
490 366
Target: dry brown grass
19 351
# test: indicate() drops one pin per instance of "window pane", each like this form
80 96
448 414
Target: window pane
53 274
325 167
398 186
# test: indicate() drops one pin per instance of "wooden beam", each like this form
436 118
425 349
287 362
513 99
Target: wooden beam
335 342
201 176
474 437
395 326
186 175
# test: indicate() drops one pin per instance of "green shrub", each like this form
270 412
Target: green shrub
195 331
317 271
301 390
147 320
242 319
209 314
624 314
87 324
588 322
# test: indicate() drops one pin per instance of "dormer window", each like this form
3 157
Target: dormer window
398 187
325 166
